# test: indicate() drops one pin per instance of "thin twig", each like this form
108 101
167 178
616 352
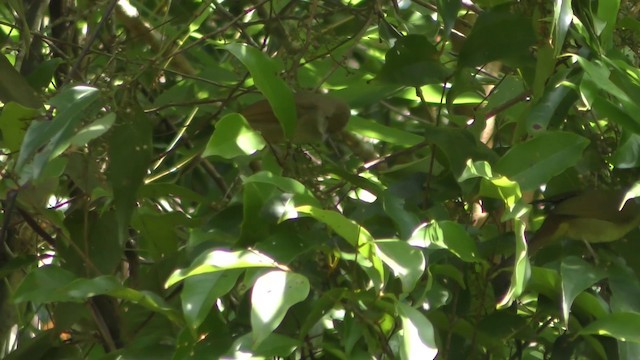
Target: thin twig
92 39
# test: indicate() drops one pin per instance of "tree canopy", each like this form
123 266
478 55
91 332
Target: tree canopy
335 179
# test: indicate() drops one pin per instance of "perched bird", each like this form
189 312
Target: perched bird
319 115
593 216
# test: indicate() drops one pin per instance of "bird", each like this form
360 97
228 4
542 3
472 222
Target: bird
319 115
592 216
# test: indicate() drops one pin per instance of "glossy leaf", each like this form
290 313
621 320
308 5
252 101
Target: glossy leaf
562 16
233 137
264 73
355 235
374 130
576 276
302 195
448 9
272 296
446 235
406 262
201 292
536 161
46 140
219 260
93 130
619 325
418 338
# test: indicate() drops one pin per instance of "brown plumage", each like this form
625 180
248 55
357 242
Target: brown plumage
319 115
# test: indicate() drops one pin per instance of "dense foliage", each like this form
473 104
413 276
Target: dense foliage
145 218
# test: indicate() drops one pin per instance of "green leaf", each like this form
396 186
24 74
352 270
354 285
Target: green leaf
93 130
406 262
620 325
200 293
159 235
598 73
375 130
413 61
536 161
418 335
36 347
521 268
498 35
16 264
457 147
163 190
545 66
576 275
15 88
605 109
608 12
47 140
97 235
329 300
219 260
263 199
627 155
233 137
355 235
625 287
446 235
448 10
14 121
272 296
264 73
404 220
562 16
52 284
42 75
302 196
553 106
40 285
130 149
274 346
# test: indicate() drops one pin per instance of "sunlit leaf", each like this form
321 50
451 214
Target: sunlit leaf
536 161
264 73
93 130
46 140
418 338
576 276
233 137
620 325
219 260
446 235
374 130
406 262
356 235
201 292
272 296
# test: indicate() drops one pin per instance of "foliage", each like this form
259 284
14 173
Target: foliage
143 216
